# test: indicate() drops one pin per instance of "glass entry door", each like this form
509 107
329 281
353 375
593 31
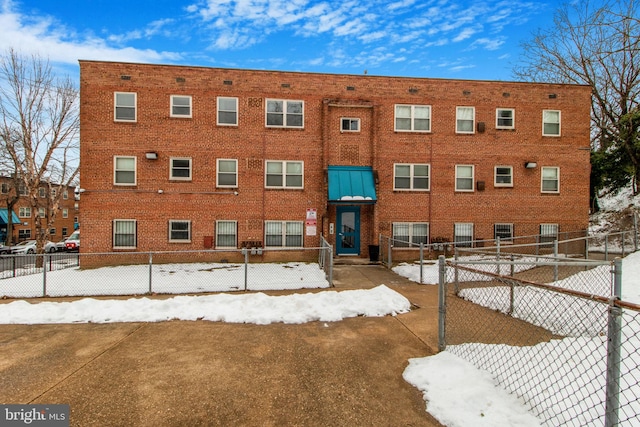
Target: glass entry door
348 239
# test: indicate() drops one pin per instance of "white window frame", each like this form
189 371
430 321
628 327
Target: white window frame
473 181
495 176
24 212
64 231
173 168
42 192
220 225
545 121
284 234
411 242
556 180
284 174
52 231
220 110
548 233
512 118
65 194
116 170
412 177
412 118
219 172
350 121
459 120
115 233
458 227
173 106
42 212
116 106
65 213
502 225
284 112
171 230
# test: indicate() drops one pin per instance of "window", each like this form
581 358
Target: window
24 235
42 192
64 231
180 168
465 117
548 233
22 189
503 176
463 234
551 123
226 236
284 174
411 177
42 212
76 207
65 213
5 188
65 194
283 234
124 170
228 111
52 232
180 106
75 219
124 233
413 118
125 106
24 212
505 118
504 232
407 234
464 177
285 113
349 125
550 180
180 231
227 173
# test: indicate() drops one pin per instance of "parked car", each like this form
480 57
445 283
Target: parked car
61 245
73 242
4 249
30 246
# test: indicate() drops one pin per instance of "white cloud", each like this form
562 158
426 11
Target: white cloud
489 44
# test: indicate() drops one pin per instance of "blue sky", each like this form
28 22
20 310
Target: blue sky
418 38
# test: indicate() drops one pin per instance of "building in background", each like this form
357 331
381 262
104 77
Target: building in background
188 158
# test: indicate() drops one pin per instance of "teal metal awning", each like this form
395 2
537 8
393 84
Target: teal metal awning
4 217
351 185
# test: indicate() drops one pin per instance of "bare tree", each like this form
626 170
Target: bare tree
600 47
39 133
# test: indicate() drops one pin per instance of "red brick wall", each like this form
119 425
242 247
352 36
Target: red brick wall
326 98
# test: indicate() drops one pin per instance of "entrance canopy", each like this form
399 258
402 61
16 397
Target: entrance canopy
4 217
351 185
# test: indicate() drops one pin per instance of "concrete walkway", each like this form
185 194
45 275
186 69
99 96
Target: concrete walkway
180 373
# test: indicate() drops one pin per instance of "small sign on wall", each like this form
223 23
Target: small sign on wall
311 224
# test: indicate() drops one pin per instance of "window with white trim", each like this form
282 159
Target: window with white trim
283 234
64 231
412 118
503 176
465 119
464 177
407 234
180 169
4 188
22 189
284 174
42 212
463 234
504 232
548 233
42 192
124 170
24 234
505 118
179 231
65 213
227 173
550 122
24 212
227 111
65 194
124 234
181 106
284 113
411 177
226 234
550 177
349 125
125 107
53 231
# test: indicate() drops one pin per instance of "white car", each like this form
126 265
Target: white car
29 247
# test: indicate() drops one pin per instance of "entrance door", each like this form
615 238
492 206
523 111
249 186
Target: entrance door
348 240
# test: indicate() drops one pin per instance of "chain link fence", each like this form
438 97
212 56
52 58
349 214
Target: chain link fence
138 273
549 331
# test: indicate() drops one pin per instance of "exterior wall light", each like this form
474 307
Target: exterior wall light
151 155
530 165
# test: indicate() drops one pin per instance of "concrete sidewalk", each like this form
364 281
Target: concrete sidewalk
179 373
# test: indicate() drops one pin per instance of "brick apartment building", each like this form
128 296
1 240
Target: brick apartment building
24 218
187 158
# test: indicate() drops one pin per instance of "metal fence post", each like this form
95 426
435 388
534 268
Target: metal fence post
455 272
498 255
330 255
622 244
612 402
245 251
555 260
512 265
390 260
442 309
421 260
44 274
150 272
